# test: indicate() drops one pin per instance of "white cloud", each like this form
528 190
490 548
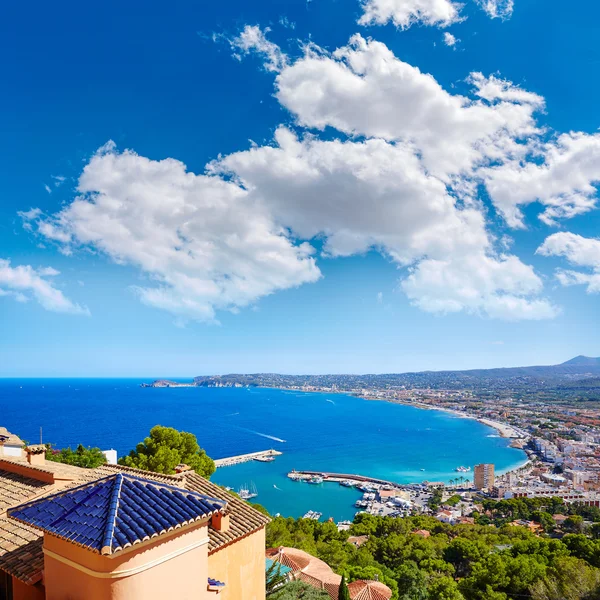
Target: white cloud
579 251
376 194
500 287
497 9
48 188
203 243
23 281
564 182
404 13
253 39
379 297
363 89
449 39
404 184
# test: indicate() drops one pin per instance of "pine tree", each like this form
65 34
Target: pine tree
344 594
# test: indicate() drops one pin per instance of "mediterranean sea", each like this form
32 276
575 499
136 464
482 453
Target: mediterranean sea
315 431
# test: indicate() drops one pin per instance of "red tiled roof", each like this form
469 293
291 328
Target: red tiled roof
369 590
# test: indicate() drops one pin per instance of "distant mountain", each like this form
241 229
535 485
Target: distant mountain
578 373
583 361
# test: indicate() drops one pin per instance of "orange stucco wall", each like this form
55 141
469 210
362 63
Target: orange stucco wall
21 591
182 577
241 566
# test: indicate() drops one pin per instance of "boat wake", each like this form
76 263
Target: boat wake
265 435
232 414
331 401
276 487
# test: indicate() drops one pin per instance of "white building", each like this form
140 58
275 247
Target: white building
10 444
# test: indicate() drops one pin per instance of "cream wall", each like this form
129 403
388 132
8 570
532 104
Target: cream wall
241 566
175 571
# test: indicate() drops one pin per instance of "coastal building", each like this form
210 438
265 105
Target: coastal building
483 476
10 444
303 566
116 533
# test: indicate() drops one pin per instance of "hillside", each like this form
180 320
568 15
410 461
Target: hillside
579 373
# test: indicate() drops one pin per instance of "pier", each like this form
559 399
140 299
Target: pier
242 458
337 477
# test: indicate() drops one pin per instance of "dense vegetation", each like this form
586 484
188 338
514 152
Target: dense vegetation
166 448
456 562
88 458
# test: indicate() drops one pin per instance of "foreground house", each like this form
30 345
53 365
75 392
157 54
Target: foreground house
303 566
119 533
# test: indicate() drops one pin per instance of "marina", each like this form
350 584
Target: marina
345 479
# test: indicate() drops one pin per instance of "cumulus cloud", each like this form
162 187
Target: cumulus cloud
363 89
23 282
450 40
497 9
253 39
564 181
404 13
376 194
402 179
204 244
580 252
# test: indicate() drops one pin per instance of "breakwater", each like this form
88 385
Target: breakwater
337 477
263 456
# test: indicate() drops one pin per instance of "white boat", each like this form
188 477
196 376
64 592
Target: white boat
313 514
316 479
248 492
462 469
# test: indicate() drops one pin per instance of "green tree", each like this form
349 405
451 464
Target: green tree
165 448
574 524
274 578
569 579
298 590
88 458
344 593
444 588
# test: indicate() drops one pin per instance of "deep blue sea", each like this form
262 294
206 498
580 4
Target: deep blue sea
328 432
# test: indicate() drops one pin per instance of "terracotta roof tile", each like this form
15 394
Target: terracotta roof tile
26 561
369 590
18 488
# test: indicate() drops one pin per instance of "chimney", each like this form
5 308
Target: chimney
220 521
182 468
3 440
36 455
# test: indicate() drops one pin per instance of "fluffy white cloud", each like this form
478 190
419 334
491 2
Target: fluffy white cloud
404 184
501 287
376 194
564 182
449 39
23 281
404 13
497 9
200 239
253 39
363 89
579 251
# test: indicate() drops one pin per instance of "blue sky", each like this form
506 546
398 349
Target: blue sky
301 187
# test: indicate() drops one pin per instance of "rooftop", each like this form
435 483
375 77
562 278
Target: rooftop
21 545
113 513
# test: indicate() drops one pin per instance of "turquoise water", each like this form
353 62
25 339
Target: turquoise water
328 432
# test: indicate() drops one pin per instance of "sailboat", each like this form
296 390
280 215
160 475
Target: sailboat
246 492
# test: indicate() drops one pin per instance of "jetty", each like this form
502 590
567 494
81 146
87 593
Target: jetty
263 456
337 477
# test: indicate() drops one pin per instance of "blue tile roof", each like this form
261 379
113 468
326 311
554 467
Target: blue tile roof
116 512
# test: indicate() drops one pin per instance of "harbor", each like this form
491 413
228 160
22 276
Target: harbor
262 456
